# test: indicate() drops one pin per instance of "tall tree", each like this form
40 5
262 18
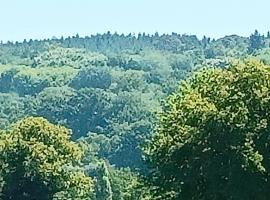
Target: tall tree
212 141
256 41
104 191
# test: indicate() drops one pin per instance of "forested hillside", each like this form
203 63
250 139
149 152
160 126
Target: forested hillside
80 115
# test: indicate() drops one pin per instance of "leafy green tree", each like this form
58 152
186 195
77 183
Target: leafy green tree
212 141
38 162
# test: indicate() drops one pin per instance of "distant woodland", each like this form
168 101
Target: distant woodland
135 117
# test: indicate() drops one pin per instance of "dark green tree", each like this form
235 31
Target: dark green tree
268 34
256 41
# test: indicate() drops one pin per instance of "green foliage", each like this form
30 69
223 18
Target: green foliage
104 189
229 46
25 80
92 77
38 160
110 182
256 41
263 55
107 89
127 185
76 58
213 136
11 109
83 110
116 184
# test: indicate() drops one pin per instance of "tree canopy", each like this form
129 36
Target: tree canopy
213 136
38 161
107 90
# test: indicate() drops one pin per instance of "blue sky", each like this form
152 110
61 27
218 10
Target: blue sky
25 19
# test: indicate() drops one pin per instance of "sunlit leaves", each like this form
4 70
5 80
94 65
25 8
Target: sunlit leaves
40 155
213 134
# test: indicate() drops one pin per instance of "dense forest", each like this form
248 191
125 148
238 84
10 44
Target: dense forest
135 117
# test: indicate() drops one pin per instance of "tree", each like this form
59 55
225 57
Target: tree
104 191
268 34
205 41
256 41
212 141
39 162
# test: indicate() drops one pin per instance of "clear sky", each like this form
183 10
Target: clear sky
36 19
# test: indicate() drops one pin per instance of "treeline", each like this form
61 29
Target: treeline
108 90
115 43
